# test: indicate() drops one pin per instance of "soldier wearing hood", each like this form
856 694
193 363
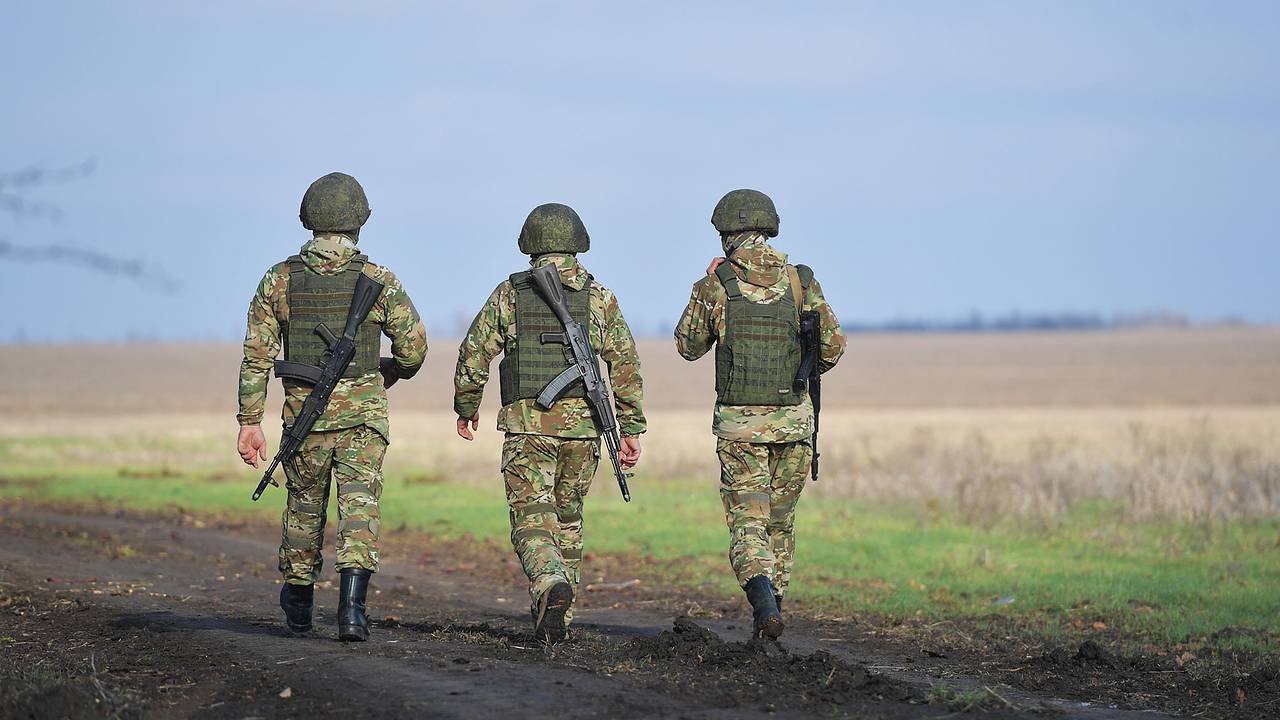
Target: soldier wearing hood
347 444
748 307
549 456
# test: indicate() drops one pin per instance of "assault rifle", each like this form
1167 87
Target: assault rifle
585 368
810 374
323 379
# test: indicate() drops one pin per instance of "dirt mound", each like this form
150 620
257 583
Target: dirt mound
1249 689
1089 656
760 673
1253 688
1092 658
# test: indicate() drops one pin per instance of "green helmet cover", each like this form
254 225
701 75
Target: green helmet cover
745 210
553 228
334 203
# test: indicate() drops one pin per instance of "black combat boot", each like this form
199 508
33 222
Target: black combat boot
352 623
549 625
297 602
768 621
777 600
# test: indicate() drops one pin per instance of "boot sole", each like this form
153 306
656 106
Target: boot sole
353 634
771 628
556 604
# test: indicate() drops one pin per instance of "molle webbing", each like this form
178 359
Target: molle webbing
313 299
526 370
757 359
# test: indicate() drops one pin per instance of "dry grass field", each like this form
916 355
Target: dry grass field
1182 424
1141 368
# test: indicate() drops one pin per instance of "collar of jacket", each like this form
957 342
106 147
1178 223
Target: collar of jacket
757 262
572 274
329 253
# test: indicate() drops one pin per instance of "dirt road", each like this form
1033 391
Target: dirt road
174 616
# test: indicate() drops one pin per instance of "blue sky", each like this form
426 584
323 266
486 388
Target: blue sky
928 159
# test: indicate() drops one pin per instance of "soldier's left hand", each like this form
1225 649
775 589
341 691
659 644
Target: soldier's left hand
629 452
715 263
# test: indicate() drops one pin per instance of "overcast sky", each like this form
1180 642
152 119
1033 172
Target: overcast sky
927 159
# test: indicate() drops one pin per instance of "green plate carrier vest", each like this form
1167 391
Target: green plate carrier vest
313 299
759 355
526 369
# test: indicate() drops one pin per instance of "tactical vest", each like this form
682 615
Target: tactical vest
759 354
313 299
528 368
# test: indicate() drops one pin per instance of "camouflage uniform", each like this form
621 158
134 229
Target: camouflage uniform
348 442
549 456
765 451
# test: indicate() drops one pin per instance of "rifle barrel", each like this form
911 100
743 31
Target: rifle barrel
266 478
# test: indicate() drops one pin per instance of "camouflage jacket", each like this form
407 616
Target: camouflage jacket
355 401
762 274
494 331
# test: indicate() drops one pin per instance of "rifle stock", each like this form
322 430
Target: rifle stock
548 281
810 373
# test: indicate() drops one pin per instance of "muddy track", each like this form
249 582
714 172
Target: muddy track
112 614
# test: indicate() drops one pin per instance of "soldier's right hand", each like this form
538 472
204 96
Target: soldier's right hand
464 432
252 444
715 263
387 366
629 452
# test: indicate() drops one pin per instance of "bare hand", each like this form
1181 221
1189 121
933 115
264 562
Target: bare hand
464 432
387 366
252 444
715 263
629 452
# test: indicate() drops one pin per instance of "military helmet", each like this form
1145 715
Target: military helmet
553 228
745 210
334 203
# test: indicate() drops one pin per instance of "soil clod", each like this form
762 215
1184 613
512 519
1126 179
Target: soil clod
762 673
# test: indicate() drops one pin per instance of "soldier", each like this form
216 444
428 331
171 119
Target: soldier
347 443
748 307
549 456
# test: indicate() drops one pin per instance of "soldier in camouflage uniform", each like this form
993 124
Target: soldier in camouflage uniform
748 308
348 442
549 456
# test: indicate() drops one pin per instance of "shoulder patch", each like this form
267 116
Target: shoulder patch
606 295
377 272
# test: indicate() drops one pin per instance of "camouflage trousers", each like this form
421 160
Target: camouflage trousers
547 478
352 460
760 484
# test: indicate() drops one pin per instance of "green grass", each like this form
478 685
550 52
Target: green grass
1166 582
963 701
